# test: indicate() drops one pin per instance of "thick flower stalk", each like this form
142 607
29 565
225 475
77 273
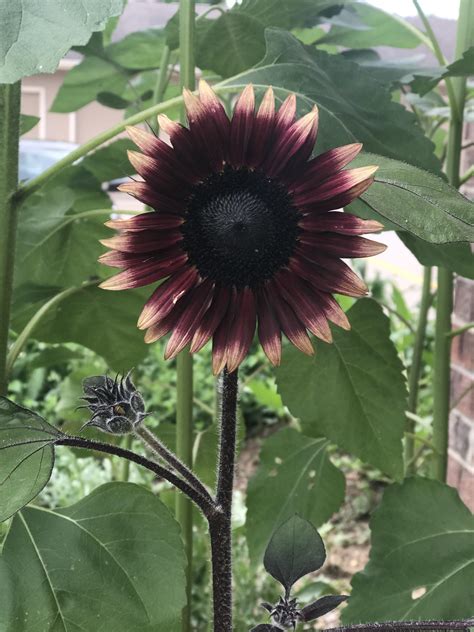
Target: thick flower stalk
244 231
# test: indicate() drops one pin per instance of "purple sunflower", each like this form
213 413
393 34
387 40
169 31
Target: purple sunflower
244 232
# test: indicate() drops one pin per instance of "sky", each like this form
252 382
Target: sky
441 8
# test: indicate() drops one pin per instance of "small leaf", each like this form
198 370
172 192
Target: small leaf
295 550
27 123
422 557
113 561
111 100
266 627
37 34
26 457
322 606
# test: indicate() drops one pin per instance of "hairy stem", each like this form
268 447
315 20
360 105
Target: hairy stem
416 368
442 351
208 508
9 137
220 524
394 626
167 455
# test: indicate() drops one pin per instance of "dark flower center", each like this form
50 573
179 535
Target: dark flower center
240 227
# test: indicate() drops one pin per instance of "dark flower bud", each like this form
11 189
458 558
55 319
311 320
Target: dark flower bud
116 405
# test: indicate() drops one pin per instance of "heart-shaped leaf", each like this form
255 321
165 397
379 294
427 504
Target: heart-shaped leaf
295 550
26 456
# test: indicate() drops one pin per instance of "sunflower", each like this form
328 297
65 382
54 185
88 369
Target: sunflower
244 229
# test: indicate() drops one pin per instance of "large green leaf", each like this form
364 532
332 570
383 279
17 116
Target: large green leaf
353 106
110 162
422 558
113 561
295 476
26 456
415 200
57 244
100 320
458 258
353 390
362 25
37 34
138 51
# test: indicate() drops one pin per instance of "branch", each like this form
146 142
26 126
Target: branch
207 507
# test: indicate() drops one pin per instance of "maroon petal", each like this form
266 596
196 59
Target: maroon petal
327 273
336 185
215 112
342 245
304 303
286 115
198 302
269 331
332 309
342 223
212 318
184 146
327 164
153 146
204 131
219 340
294 139
166 324
338 201
161 175
165 297
143 242
293 329
241 126
144 273
149 196
116 259
262 130
146 221
242 330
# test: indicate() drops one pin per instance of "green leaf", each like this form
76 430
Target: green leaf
36 35
295 476
113 561
361 25
353 390
138 51
463 67
353 106
422 558
111 100
83 83
110 162
100 320
455 257
27 456
27 123
57 244
53 357
295 550
416 201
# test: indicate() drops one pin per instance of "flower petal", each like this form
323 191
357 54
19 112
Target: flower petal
262 130
163 176
242 329
219 340
344 246
289 322
145 273
304 303
146 221
215 111
166 324
336 185
143 242
326 273
204 131
198 303
165 297
212 319
242 126
327 164
184 146
285 116
295 139
342 223
149 196
338 201
332 309
269 331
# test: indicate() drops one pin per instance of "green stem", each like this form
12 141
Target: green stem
467 176
436 48
184 408
31 325
162 82
9 136
416 368
442 350
460 330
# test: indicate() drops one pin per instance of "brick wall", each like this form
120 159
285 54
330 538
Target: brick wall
461 423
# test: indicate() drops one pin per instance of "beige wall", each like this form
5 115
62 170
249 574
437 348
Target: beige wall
37 96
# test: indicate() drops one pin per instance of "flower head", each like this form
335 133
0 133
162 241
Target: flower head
243 230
